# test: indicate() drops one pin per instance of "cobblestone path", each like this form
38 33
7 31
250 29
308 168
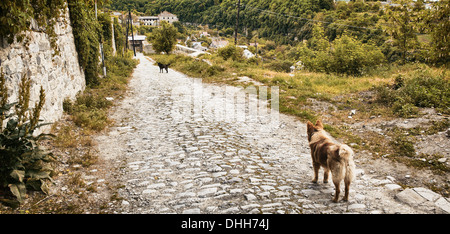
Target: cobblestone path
205 164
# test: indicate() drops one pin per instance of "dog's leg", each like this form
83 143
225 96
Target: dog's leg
325 175
316 171
338 190
347 189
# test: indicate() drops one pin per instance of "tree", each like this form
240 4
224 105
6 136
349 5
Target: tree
402 20
440 32
164 38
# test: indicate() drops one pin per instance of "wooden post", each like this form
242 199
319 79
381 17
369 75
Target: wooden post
112 39
126 38
132 35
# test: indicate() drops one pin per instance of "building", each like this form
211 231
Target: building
167 16
139 41
149 20
156 20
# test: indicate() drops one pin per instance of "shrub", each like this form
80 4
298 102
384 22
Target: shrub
351 56
231 51
280 66
420 89
346 56
214 70
24 164
164 38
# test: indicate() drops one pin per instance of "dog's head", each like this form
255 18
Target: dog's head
311 129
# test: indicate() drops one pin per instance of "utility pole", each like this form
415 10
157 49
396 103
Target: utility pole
256 45
132 36
237 23
126 38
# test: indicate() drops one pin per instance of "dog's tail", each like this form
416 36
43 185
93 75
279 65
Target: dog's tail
346 153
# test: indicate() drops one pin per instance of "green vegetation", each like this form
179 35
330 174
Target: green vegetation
164 38
418 89
86 31
403 33
16 17
90 108
24 164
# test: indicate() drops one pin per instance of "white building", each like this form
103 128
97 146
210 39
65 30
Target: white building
167 16
149 20
156 20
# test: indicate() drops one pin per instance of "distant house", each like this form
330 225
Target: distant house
139 41
167 16
149 20
156 20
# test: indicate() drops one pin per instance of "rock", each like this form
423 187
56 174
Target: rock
234 171
156 186
356 207
393 187
410 197
444 204
250 197
206 192
192 211
442 160
148 191
309 192
267 187
427 194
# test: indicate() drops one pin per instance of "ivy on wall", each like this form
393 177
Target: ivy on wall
86 30
16 17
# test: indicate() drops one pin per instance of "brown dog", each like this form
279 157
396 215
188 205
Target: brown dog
332 156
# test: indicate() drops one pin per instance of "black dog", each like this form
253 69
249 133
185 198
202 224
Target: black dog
162 67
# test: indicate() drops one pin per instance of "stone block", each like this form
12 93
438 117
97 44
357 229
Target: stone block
427 194
410 197
444 204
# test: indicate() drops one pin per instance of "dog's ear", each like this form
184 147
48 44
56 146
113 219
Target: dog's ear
310 126
319 124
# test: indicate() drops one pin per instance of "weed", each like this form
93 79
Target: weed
24 163
418 89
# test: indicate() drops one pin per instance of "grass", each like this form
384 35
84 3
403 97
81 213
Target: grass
90 108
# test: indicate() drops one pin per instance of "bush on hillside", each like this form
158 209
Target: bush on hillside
421 89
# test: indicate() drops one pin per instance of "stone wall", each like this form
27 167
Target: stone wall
59 74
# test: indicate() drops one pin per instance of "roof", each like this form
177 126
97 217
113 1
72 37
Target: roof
166 14
148 17
137 38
